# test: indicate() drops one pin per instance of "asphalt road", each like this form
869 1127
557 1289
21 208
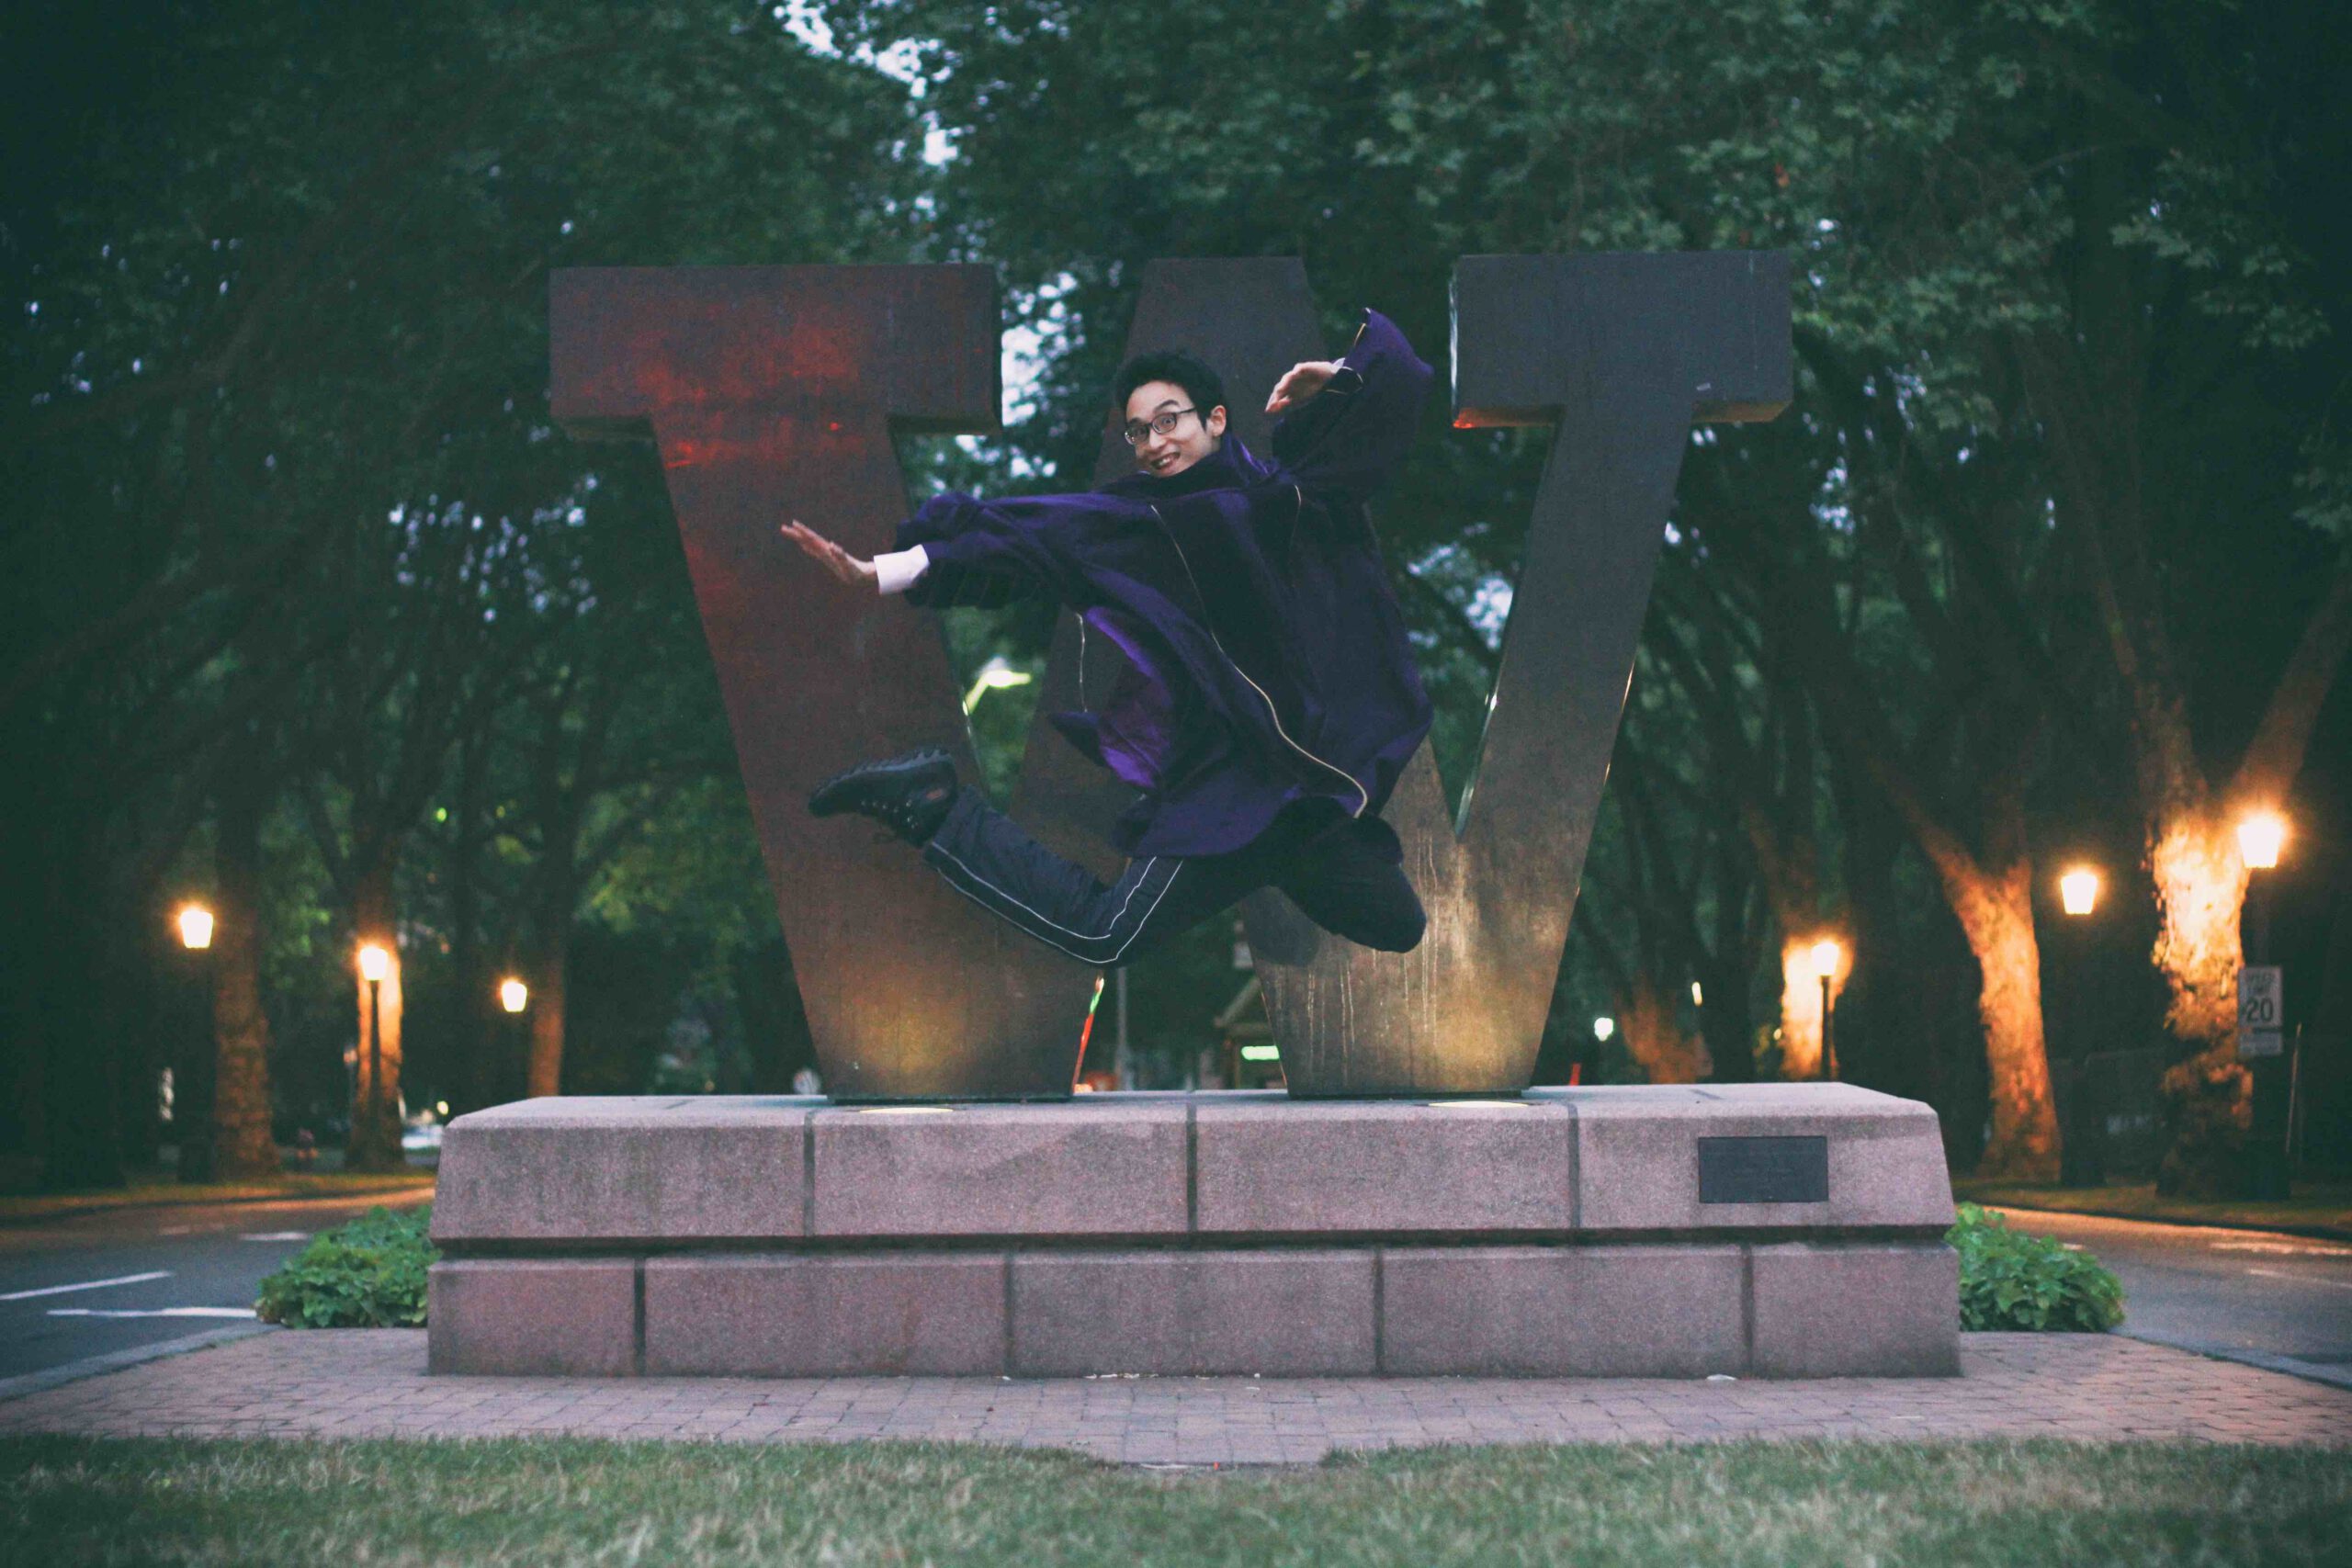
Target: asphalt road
94 1284
2281 1301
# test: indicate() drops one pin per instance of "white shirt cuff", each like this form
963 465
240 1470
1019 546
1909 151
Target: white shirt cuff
896 571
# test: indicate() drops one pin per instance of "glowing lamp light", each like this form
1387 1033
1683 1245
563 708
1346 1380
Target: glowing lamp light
994 675
1826 957
1261 1054
1698 997
196 926
2260 837
2078 890
375 963
1602 1027
512 995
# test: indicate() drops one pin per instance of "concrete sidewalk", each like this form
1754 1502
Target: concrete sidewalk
371 1383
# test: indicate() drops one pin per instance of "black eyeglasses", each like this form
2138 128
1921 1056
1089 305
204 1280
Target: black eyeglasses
1162 424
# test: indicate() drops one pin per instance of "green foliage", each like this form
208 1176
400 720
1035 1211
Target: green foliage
2010 1280
367 1274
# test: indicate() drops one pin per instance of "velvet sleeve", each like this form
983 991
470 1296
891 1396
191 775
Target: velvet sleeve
986 553
1350 437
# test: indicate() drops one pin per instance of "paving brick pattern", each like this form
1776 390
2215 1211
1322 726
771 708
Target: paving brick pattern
372 1383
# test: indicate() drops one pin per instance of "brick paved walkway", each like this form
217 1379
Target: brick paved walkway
371 1382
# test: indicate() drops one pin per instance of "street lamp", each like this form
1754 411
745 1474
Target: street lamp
514 995
994 674
196 1163
375 964
2261 835
2082 1161
1602 1027
2078 890
1826 956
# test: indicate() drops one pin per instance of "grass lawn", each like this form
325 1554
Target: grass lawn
2324 1207
66 1501
149 1189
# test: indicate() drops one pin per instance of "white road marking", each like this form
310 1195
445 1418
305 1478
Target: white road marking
2292 1248
158 1312
275 1235
86 1285
2300 1278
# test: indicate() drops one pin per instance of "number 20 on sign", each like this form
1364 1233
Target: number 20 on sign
2262 1002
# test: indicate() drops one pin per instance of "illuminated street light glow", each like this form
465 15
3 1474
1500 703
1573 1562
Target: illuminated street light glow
512 995
1827 956
994 675
2078 890
196 926
1261 1054
375 963
1698 997
2260 837
1603 1026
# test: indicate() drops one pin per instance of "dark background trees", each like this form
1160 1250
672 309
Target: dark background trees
304 595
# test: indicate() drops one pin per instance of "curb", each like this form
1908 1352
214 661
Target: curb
387 1196
2309 1233
115 1360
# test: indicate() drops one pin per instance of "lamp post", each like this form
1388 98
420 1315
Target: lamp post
1826 956
2261 835
2082 1156
375 964
515 996
192 1112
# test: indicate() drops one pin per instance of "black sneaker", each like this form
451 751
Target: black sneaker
909 795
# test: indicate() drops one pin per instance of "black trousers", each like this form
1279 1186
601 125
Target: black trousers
1317 855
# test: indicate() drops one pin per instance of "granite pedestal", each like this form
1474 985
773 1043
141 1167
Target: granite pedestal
1791 1230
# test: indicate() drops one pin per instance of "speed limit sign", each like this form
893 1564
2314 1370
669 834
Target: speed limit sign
2262 1003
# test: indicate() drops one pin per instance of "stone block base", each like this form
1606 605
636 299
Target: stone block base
1759 1230
1663 1311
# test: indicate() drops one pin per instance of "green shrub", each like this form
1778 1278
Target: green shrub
367 1274
2010 1280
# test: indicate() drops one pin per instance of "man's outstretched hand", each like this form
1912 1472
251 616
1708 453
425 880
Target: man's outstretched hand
1301 382
834 558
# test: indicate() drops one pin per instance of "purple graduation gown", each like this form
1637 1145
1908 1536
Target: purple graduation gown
1269 660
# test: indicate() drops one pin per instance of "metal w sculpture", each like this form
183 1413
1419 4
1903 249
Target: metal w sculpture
769 390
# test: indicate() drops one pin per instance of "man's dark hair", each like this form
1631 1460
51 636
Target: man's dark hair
1200 382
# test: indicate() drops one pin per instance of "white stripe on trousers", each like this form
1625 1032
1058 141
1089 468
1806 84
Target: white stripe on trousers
957 884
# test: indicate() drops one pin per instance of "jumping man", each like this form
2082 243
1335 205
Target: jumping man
1271 699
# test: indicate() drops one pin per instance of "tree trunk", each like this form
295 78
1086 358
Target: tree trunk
81 1059
1800 1014
1995 914
465 1065
242 1143
544 1069
1655 1038
375 1110
2207 1094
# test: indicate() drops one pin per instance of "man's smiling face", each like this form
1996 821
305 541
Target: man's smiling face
1192 433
